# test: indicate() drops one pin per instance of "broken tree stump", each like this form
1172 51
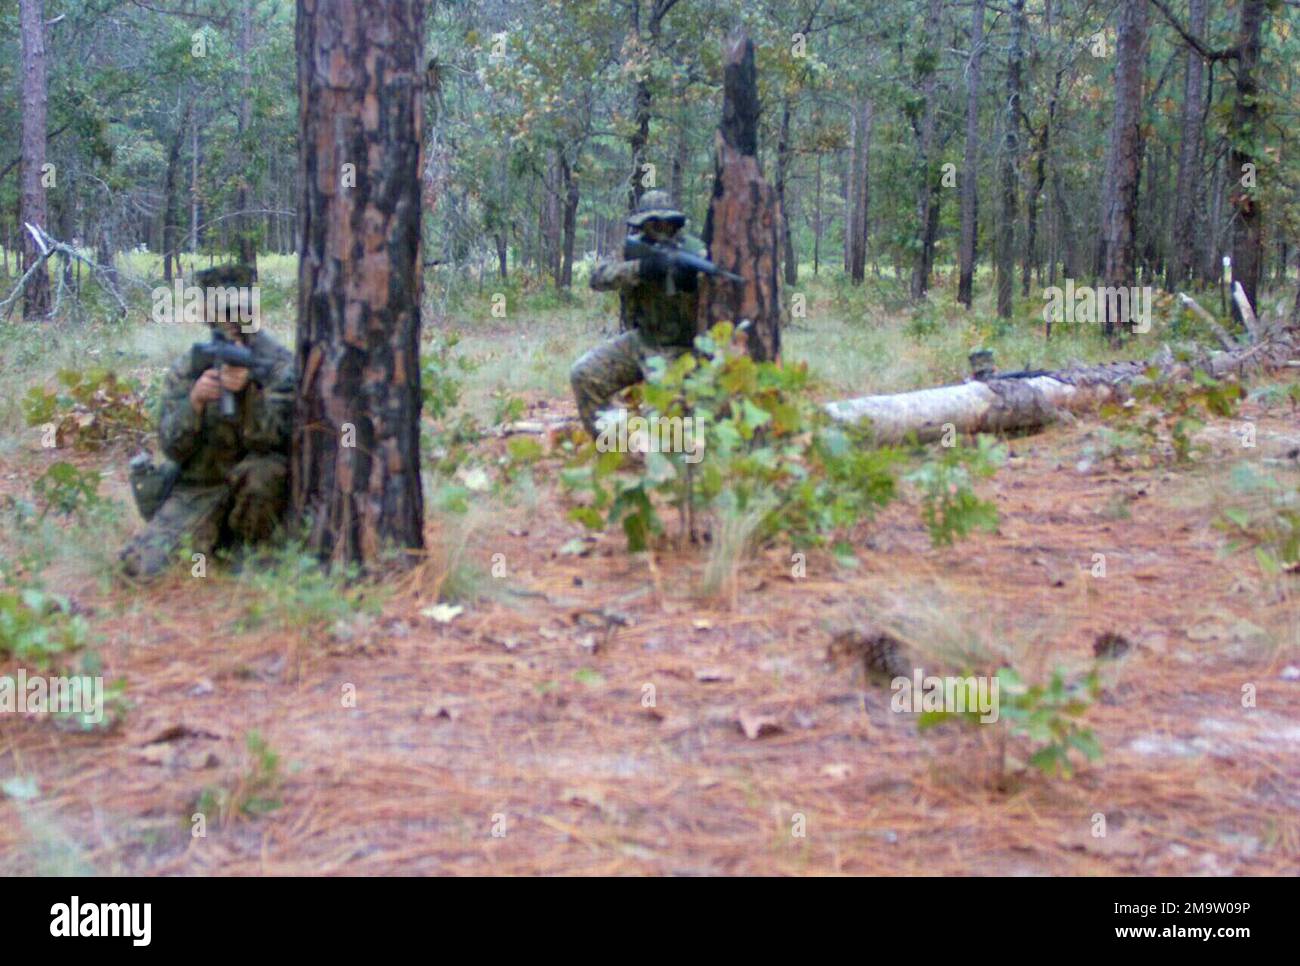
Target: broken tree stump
743 226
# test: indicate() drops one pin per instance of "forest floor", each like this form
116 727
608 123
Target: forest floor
516 737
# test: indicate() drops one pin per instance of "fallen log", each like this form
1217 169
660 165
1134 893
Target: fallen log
1013 402
1022 402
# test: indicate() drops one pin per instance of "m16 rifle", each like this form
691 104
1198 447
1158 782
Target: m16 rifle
222 350
677 259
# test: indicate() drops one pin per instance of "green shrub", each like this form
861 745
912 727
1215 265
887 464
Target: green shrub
67 490
286 588
1265 521
442 384
1156 425
1045 715
90 409
37 627
949 506
759 440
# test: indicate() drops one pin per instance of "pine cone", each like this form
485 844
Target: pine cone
882 656
1110 646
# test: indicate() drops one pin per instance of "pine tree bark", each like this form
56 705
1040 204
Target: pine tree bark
642 97
743 227
1006 238
1042 145
171 213
1124 161
1187 194
246 244
926 196
570 227
356 444
31 205
1247 229
970 161
783 153
859 193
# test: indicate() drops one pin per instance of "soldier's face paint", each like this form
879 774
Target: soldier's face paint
660 230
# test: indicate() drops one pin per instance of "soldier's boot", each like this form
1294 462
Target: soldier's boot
259 497
602 372
192 514
151 481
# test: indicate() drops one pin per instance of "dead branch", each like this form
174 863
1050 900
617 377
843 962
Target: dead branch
50 247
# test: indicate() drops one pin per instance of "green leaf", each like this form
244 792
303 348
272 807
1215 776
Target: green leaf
588 517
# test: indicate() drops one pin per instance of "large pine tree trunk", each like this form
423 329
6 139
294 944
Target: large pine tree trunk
970 160
743 227
1124 161
356 453
1006 238
36 296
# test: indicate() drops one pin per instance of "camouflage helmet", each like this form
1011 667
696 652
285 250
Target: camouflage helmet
656 205
216 283
233 275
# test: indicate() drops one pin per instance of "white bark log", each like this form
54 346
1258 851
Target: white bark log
1011 404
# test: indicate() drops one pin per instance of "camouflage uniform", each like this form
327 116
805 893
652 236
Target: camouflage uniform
230 476
658 316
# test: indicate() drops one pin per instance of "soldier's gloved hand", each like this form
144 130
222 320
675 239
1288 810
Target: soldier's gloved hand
206 389
653 267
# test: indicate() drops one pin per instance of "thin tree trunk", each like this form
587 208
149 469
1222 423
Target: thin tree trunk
681 157
570 186
859 197
1247 229
817 219
171 202
970 161
783 153
1124 162
1187 236
194 181
1010 162
247 250
926 224
32 210
356 447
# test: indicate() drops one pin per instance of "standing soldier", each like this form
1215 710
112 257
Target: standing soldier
657 303
224 429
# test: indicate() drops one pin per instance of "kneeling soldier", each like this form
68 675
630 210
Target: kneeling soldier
658 307
225 431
